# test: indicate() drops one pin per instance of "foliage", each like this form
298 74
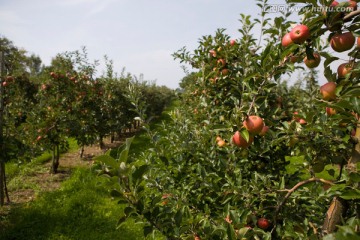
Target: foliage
187 186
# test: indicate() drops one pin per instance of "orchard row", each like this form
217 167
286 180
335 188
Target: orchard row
45 105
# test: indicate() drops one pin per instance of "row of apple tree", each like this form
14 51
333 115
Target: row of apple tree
45 105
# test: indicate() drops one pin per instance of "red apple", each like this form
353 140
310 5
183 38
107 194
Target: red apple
334 4
221 62
38 138
254 124
54 75
344 69
232 42
286 40
295 59
263 223
353 132
341 42
212 53
299 34
313 63
9 78
295 116
225 71
302 121
239 141
328 91
221 143
352 6
4 84
358 42
330 111
264 130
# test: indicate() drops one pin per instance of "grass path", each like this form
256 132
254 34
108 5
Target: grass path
68 205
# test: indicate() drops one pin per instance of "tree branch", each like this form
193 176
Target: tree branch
351 15
298 185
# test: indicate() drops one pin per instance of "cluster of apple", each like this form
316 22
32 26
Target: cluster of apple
221 64
255 126
298 35
8 79
339 41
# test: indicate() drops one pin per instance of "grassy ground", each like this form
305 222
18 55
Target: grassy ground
81 208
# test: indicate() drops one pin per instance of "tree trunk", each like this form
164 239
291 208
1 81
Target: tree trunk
101 142
112 139
55 159
82 151
2 183
334 215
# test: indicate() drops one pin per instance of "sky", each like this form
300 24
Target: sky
139 35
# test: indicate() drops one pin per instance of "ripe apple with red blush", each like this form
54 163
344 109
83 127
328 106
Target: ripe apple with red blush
330 111
314 62
286 40
344 69
300 34
341 42
239 141
254 124
263 223
328 91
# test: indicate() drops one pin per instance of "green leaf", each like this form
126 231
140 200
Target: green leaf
178 217
230 232
147 230
242 232
121 221
355 177
351 194
354 92
139 172
125 152
128 210
106 159
245 134
116 193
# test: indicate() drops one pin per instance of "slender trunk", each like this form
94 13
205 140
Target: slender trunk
52 168
82 151
55 159
112 139
2 183
334 215
101 142
6 189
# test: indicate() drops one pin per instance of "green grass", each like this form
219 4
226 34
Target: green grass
80 209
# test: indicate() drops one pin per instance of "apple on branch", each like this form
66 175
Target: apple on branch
341 42
300 34
328 91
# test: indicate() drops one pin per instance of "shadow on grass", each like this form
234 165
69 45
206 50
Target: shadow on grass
81 209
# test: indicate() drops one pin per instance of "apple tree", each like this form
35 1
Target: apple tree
212 174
